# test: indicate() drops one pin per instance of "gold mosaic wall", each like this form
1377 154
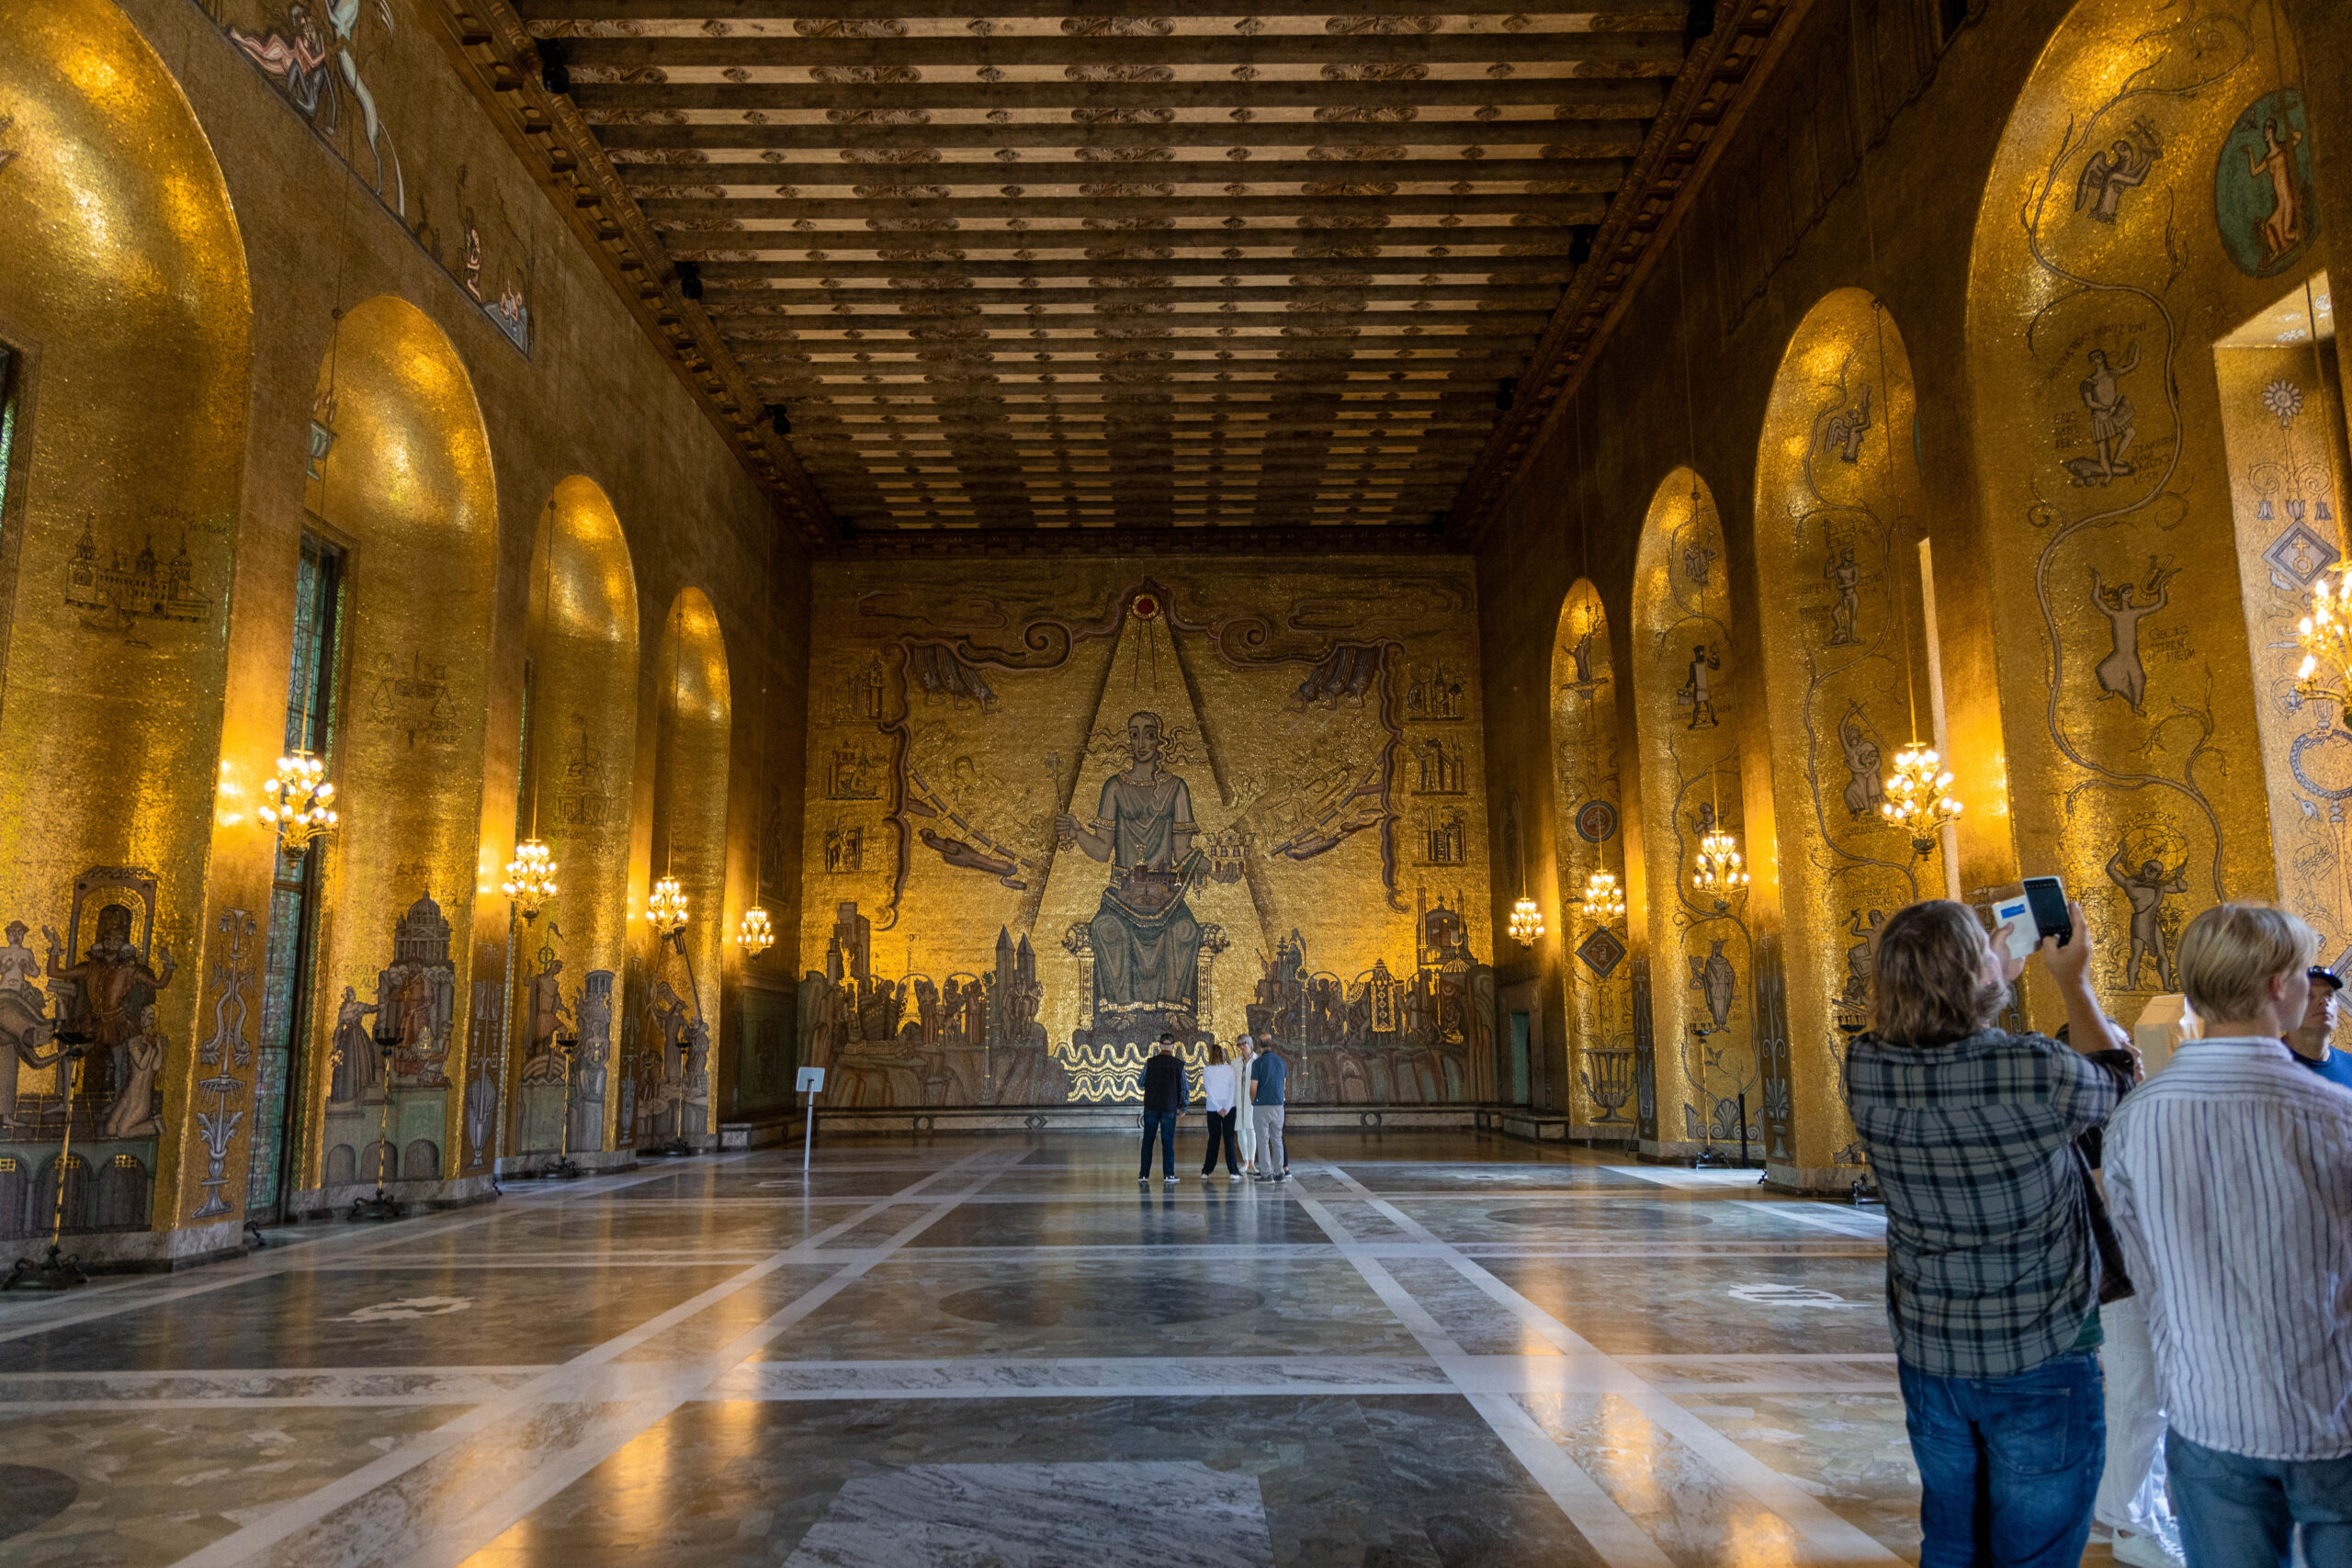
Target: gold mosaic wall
1587 807
1846 687
407 487
123 290
2282 418
679 979
2153 190
969 836
1689 694
581 747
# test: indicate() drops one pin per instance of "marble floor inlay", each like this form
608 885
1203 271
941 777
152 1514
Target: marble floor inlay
993 1351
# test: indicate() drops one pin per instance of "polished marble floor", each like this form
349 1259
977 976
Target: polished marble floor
1426 1349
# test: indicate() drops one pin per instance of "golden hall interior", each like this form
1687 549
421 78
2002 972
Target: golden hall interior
613 754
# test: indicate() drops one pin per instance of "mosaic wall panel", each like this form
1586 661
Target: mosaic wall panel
1689 688
1585 804
2152 192
1057 811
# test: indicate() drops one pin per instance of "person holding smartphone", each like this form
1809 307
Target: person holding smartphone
1992 1265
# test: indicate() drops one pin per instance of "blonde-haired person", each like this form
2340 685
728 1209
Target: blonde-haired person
1217 1086
1245 1116
2231 1177
1991 1269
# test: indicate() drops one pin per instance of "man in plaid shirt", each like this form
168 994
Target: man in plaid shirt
1992 1271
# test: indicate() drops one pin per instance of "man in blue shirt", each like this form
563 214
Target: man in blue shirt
1268 1075
2309 1042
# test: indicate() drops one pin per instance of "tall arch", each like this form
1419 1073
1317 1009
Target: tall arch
693 721
405 487
2126 223
126 318
578 748
1837 505
1689 696
1586 802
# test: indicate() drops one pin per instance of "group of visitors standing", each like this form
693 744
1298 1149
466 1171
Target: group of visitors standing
2208 1254
1244 1100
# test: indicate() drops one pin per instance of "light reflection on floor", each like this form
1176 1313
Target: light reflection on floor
1430 1349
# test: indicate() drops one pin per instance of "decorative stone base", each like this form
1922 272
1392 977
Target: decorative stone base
1601 1133
593 1162
333 1203
1123 1119
138 1252
1833 1179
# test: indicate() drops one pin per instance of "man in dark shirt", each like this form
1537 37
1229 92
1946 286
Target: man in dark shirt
1268 1076
1163 1097
2310 1043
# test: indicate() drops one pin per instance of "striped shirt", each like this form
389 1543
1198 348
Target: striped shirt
2230 1174
1991 1264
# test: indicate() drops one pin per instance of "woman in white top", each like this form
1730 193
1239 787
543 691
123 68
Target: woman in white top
1216 1089
1245 1120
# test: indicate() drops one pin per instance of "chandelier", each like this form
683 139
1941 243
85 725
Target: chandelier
297 801
1604 900
1526 921
753 934
2325 636
1919 796
667 907
530 877
1722 875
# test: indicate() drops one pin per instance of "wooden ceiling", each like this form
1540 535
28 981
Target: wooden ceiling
1106 264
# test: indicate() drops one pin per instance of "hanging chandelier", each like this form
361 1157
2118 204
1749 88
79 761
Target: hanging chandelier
1526 922
1604 899
666 910
2325 636
297 801
1723 874
1919 799
753 934
530 877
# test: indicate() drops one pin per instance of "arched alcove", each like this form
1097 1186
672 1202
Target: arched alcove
2151 191
1846 678
406 489
578 750
1586 802
126 350
1698 970
693 721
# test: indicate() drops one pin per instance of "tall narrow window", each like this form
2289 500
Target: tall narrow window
287 982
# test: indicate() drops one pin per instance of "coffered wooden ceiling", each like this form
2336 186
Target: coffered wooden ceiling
1118 265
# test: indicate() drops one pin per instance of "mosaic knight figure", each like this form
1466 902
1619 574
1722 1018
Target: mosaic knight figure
1146 944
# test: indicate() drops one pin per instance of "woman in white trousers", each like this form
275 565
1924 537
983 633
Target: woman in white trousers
1245 1124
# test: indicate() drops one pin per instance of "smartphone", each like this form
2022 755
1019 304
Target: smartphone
2046 896
2023 934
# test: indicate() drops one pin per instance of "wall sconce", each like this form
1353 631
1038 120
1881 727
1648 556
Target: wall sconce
753 934
666 910
1920 800
297 801
530 878
1526 922
1722 875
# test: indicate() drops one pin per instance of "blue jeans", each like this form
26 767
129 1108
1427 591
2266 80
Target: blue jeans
1162 1122
2240 1513
2009 1467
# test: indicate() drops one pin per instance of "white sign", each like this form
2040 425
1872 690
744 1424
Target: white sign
813 1081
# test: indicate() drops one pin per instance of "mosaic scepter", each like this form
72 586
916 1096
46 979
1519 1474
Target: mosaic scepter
56 1271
